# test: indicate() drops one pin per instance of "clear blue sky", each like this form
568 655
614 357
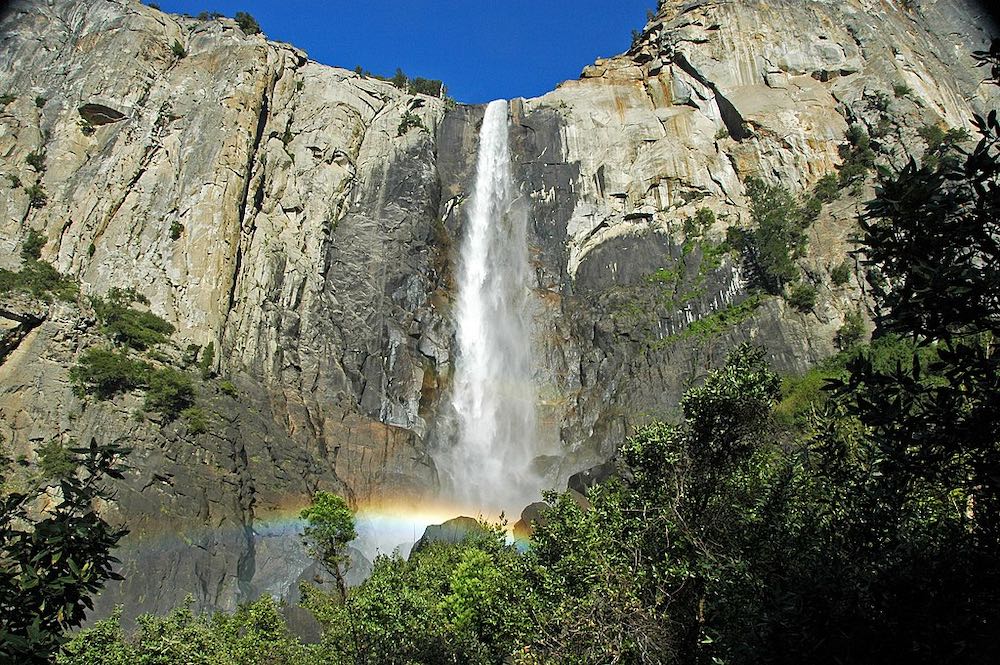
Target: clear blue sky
481 49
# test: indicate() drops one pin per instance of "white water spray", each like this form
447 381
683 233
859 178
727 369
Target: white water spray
490 466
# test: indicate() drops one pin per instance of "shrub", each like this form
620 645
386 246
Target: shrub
104 373
841 273
247 23
91 249
40 101
208 16
826 188
15 181
37 198
228 388
802 296
170 392
41 280
695 226
31 246
137 329
86 128
901 90
196 419
778 238
429 87
721 133
858 156
399 79
36 160
176 229
178 49
408 121
55 460
6 99
207 360
852 331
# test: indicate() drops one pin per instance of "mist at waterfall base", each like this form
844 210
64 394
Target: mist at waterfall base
488 467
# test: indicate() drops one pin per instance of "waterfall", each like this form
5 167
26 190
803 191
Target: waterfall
489 468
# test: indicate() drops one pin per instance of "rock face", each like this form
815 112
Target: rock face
280 210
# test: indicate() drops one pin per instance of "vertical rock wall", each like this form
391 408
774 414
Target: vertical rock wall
279 210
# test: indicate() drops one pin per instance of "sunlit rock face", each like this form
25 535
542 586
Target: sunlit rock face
283 211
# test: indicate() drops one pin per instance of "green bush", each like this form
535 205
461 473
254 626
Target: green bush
105 372
858 156
409 121
40 101
228 388
36 160
170 392
15 181
827 188
196 419
37 198
135 328
6 99
41 280
852 332
901 90
779 236
802 296
429 87
247 23
695 227
207 361
178 49
31 246
840 273
176 229
55 460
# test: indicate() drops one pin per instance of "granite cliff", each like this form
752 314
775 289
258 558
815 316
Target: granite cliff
300 219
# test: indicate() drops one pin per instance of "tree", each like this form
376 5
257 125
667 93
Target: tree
329 529
247 23
55 552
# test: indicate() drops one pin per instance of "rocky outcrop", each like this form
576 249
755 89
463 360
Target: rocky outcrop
281 211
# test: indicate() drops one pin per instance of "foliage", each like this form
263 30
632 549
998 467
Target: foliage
170 392
464 602
137 329
255 634
31 246
52 562
39 279
852 332
196 419
329 528
778 237
37 197
106 372
15 181
409 121
901 90
228 388
429 87
178 50
55 460
841 273
176 229
36 160
695 227
248 24
6 99
207 360
40 101
827 188
858 156
802 296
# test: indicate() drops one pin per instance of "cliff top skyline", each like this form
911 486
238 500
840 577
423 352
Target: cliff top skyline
481 50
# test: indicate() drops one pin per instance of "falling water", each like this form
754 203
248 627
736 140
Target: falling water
490 466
